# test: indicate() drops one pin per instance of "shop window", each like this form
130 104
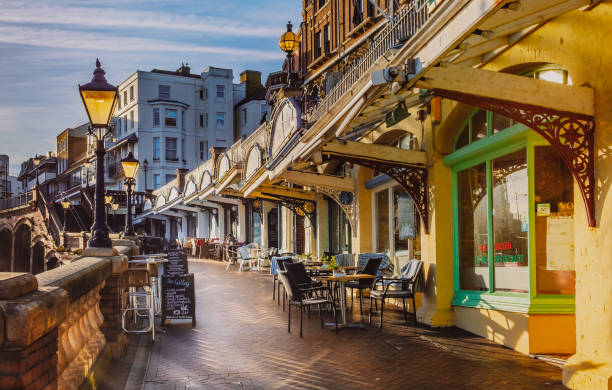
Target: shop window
382 221
473 229
510 214
554 223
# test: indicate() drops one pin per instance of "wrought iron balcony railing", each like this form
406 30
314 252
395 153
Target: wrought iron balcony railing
407 22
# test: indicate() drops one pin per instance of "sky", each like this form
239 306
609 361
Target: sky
47 47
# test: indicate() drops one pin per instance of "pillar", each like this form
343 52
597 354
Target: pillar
322 236
266 206
184 227
242 228
203 227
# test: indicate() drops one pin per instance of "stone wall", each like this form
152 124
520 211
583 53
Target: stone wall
57 328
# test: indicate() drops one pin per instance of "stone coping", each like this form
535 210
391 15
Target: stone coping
25 319
78 277
16 284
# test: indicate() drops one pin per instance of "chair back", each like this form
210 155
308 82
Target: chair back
385 268
412 274
297 273
370 268
293 292
281 261
244 252
135 277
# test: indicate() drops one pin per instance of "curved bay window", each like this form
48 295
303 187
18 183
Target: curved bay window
513 219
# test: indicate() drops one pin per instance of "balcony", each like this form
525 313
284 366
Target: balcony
408 21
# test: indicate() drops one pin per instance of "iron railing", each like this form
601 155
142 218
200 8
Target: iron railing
16 201
406 23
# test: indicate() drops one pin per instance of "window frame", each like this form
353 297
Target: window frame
156 118
159 91
166 149
222 125
220 92
156 148
506 141
166 111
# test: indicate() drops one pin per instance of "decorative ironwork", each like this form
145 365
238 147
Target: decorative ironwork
413 178
571 135
299 207
344 199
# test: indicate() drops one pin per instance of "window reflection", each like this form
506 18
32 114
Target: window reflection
511 222
473 234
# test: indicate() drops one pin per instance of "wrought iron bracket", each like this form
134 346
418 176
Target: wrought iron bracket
347 205
300 207
571 135
413 178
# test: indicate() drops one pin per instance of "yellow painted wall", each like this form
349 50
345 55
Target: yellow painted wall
362 240
580 41
509 329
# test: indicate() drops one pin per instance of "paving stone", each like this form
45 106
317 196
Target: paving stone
241 342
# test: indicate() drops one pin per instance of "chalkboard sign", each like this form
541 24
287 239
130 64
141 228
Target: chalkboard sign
178 298
177 263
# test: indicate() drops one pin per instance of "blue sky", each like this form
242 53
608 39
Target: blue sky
48 46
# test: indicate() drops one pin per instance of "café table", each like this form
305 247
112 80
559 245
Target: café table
341 280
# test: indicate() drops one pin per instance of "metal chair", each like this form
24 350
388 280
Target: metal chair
137 298
405 286
370 268
231 256
280 262
302 296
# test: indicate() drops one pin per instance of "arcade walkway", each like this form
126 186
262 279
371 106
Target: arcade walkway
241 342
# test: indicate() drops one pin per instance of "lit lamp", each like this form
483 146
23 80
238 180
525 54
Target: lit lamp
65 205
289 42
130 170
99 98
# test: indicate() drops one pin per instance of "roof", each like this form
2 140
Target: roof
176 73
259 95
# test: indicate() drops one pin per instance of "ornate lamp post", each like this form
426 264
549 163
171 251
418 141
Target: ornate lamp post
99 98
130 169
65 205
288 43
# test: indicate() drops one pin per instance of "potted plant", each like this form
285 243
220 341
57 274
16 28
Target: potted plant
337 270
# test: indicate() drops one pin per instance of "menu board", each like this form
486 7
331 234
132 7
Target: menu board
177 263
178 298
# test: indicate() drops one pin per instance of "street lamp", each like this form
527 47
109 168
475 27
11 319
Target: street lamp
65 205
288 43
130 169
145 163
99 98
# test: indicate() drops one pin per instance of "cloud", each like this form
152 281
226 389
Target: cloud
98 42
132 19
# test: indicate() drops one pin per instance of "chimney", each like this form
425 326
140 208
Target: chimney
180 178
184 70
252 78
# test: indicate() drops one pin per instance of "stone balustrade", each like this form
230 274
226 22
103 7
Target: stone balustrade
59 329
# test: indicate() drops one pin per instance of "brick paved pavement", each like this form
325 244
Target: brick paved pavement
241 342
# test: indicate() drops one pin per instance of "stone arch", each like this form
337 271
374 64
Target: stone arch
38 257
224 165
190 188
22 248
254 160
206 180
390 136
6 247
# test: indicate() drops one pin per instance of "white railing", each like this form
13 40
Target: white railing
407 22
16 201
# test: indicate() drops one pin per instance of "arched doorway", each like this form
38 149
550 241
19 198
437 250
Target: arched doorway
6 244
38 258
23 237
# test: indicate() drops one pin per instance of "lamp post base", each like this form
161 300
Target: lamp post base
100 239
